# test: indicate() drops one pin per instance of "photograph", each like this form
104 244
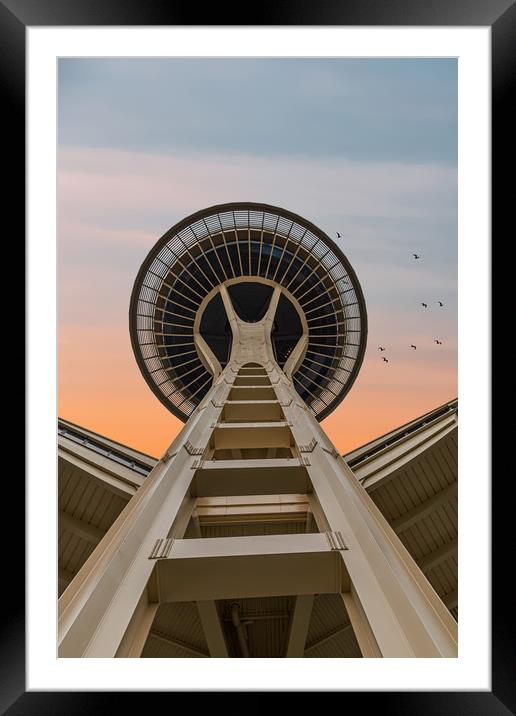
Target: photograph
257 357
258 253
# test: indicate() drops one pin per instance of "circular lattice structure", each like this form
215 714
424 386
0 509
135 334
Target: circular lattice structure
250 248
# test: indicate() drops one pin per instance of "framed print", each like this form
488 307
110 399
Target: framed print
320 183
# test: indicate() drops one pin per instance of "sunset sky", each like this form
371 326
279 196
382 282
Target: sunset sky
367 148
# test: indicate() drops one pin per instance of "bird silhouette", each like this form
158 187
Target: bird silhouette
381 348
438 342
425 305
414 347
440 303
385 359
338 235
416 256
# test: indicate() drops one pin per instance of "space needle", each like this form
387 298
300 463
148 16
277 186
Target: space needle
249 325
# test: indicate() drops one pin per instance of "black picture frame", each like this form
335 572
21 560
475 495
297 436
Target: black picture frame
15 17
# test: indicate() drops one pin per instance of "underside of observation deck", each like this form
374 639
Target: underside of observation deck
249 248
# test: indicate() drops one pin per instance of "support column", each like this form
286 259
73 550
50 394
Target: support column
139 627
361 627
98 607
402 610
300 621
210 620
140 624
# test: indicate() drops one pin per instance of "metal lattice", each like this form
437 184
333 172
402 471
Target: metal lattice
244 240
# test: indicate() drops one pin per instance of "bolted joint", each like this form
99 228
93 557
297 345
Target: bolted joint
336 540
161 548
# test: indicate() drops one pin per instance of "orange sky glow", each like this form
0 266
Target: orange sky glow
101 388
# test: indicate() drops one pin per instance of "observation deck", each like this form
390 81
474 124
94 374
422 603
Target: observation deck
180 330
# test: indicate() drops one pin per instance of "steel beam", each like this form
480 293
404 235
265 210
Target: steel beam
251 435
242 567
300 621
212 626
215 478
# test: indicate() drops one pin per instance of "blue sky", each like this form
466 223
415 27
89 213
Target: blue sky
401 110
367 148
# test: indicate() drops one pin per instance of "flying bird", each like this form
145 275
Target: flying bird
338 235
440 303
414 347
381 348
438 342
416 256
425 305
385 359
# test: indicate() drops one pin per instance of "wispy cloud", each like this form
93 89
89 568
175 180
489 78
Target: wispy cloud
123 184
357 109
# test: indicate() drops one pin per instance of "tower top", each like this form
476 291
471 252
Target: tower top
179 327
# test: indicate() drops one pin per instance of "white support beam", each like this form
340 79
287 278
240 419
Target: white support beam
196 526
251 508
260 566
91 534
431 560
271 311
251 410
227 547
250 477
251 435
137 632
424 508
296 357
210 620
362 629
318 514
299 624
207 356
183 517
232 318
